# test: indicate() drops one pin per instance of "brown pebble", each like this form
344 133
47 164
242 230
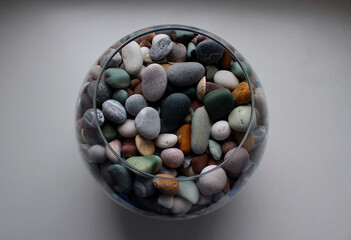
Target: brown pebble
249 142
147 38
184 138
145 44
212 161
227 145
178 53
144 146
195 104
226 59
199 162
201 38
137 89
129 91
129 148
89 132
166 186
135 82
210 86
241 94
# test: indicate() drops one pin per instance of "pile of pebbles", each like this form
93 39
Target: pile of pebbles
171 104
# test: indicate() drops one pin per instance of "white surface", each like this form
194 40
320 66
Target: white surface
301 51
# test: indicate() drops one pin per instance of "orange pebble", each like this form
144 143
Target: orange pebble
184 138
166 186
241 93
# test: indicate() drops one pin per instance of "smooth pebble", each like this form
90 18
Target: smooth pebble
226 79
127 129
147 123
200 131
114 111
213 182
135 103
166 140
154 82
132 58
220 130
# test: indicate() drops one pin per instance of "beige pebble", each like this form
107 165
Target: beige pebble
144 146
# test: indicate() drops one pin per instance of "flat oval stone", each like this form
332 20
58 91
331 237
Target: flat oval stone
215 149
132 58
144 146
117 78
213 182
89 118
116 145
226 79
168 187
157 38
143 187
135 103
121 176
120 95
149 163
209 52
189 191
199 162
173 111
97 154
166 140
114 111
220 130
185 74
239 118
160 48
154 82
180 206
127 129
103 93
147 123
235 165
178 53
218 103
200 131
145 51
172 157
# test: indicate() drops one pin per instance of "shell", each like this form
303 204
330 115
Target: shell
201 89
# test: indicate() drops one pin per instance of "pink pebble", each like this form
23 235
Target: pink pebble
116 146
172 157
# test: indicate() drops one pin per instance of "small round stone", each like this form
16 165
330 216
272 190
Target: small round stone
215 149
178 53
172 157
237 162
89 118
226 79
143 187
127 129
147 123
97 153
166 140
167 186
114 111
144 146
120 95
209 52
116 145
154 82
189 191
213 182
135 103
220 130
239 118
160 48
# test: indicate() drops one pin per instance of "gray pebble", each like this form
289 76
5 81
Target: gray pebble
148 123
115 61
160 49
135 103
185 74
143 187
97 153
114 111
104 92
89 118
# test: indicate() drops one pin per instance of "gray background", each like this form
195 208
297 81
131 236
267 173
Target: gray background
301 51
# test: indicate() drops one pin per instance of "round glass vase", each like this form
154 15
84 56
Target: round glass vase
100 145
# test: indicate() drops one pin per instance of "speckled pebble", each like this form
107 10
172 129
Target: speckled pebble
114 111
172 157
215 149
160 48
89 120
239 118
220 130
135 103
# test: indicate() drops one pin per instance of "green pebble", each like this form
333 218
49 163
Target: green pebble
120 95
190 92
236 69
121 176
189 117
218 103
210 72
191 51
215 149
109 131
149 163
117 78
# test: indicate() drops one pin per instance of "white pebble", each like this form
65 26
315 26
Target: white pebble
181 206
189 191
226 79
166 140
213 182
165 201
127 129
146 55
221 130
158 37
132 58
